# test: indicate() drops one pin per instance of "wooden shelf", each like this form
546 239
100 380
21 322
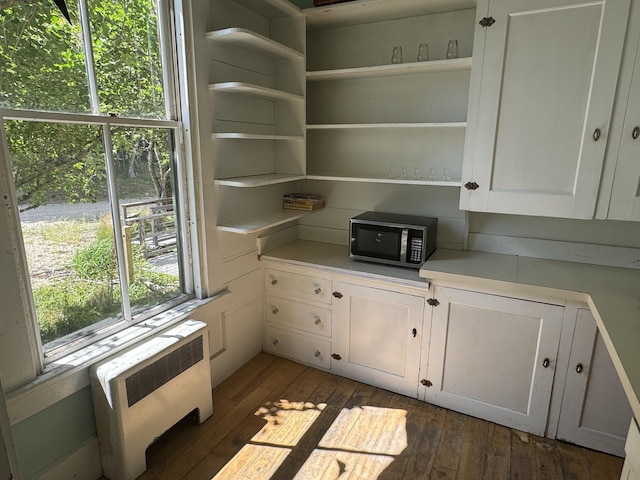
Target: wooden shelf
258 180
255 43
255 136
254 90
400 181
356 126
368 11
432 66
271 8
259 223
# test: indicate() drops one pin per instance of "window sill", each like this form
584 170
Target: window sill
70 374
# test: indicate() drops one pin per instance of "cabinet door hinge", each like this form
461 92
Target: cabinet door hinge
337 294
471 186
433 302
487 21
335 356
426 382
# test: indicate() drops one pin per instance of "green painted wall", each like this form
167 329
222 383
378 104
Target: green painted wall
54 433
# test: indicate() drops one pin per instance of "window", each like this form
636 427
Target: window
88 108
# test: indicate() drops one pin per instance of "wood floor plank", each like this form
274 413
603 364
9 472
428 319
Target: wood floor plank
277 419
447 458
523 457
498 457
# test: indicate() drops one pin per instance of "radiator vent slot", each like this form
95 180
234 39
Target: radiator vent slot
156 374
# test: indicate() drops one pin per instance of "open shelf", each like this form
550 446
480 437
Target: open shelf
369 11
255 43
256 136
360 126
400 181
254 90
270 8
258 180
432 66
259 223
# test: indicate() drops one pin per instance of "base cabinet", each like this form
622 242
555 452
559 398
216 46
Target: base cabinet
378 336
492 357
595 412
631 467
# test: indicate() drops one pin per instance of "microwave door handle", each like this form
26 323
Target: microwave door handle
403 245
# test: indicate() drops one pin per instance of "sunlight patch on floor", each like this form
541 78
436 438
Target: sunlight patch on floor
361 443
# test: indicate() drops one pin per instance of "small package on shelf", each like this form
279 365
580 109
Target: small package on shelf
302 201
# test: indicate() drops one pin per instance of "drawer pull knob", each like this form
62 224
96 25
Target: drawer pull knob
318 291
579 368
317 321
596 134
635 133
275 341
546 362
317 354
275 311
274 281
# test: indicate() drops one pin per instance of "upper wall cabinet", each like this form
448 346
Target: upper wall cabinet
257 87
374 119
623 154
540 105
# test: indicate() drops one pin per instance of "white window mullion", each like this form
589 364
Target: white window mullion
117 226
88 53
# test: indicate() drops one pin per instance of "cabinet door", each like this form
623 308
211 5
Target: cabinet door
542 105
595 411
625 196
378 337
493 357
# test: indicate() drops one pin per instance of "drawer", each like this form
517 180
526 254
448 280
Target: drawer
293 285
289 314
298 347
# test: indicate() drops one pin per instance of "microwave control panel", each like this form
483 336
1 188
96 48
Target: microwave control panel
415 248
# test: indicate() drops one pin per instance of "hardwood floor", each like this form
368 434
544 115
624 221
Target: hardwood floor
277 419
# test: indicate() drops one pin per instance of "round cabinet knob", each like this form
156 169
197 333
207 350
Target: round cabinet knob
274 281
318 291
317 321
596 134
579 368
635 133
275 341
317 354
546 362
275 311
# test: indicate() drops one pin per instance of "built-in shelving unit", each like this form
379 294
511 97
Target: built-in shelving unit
257 86
369 120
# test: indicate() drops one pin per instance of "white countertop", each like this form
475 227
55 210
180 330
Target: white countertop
612 293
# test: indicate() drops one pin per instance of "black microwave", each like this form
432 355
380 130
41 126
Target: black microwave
394 239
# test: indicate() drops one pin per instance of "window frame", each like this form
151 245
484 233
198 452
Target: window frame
169 31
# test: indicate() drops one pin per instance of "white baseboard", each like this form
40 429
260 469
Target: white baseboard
83 464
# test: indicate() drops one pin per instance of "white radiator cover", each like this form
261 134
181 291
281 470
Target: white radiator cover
140 393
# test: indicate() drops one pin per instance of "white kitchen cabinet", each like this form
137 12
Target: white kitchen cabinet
595 412
379 332
624 154
371 121
257 88
298 315
492 357
541 99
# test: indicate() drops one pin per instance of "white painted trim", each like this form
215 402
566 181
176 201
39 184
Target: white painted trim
9 467
605 255
83 464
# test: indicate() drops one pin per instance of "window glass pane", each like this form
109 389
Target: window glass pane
127 57
59 169
145 177
42 62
